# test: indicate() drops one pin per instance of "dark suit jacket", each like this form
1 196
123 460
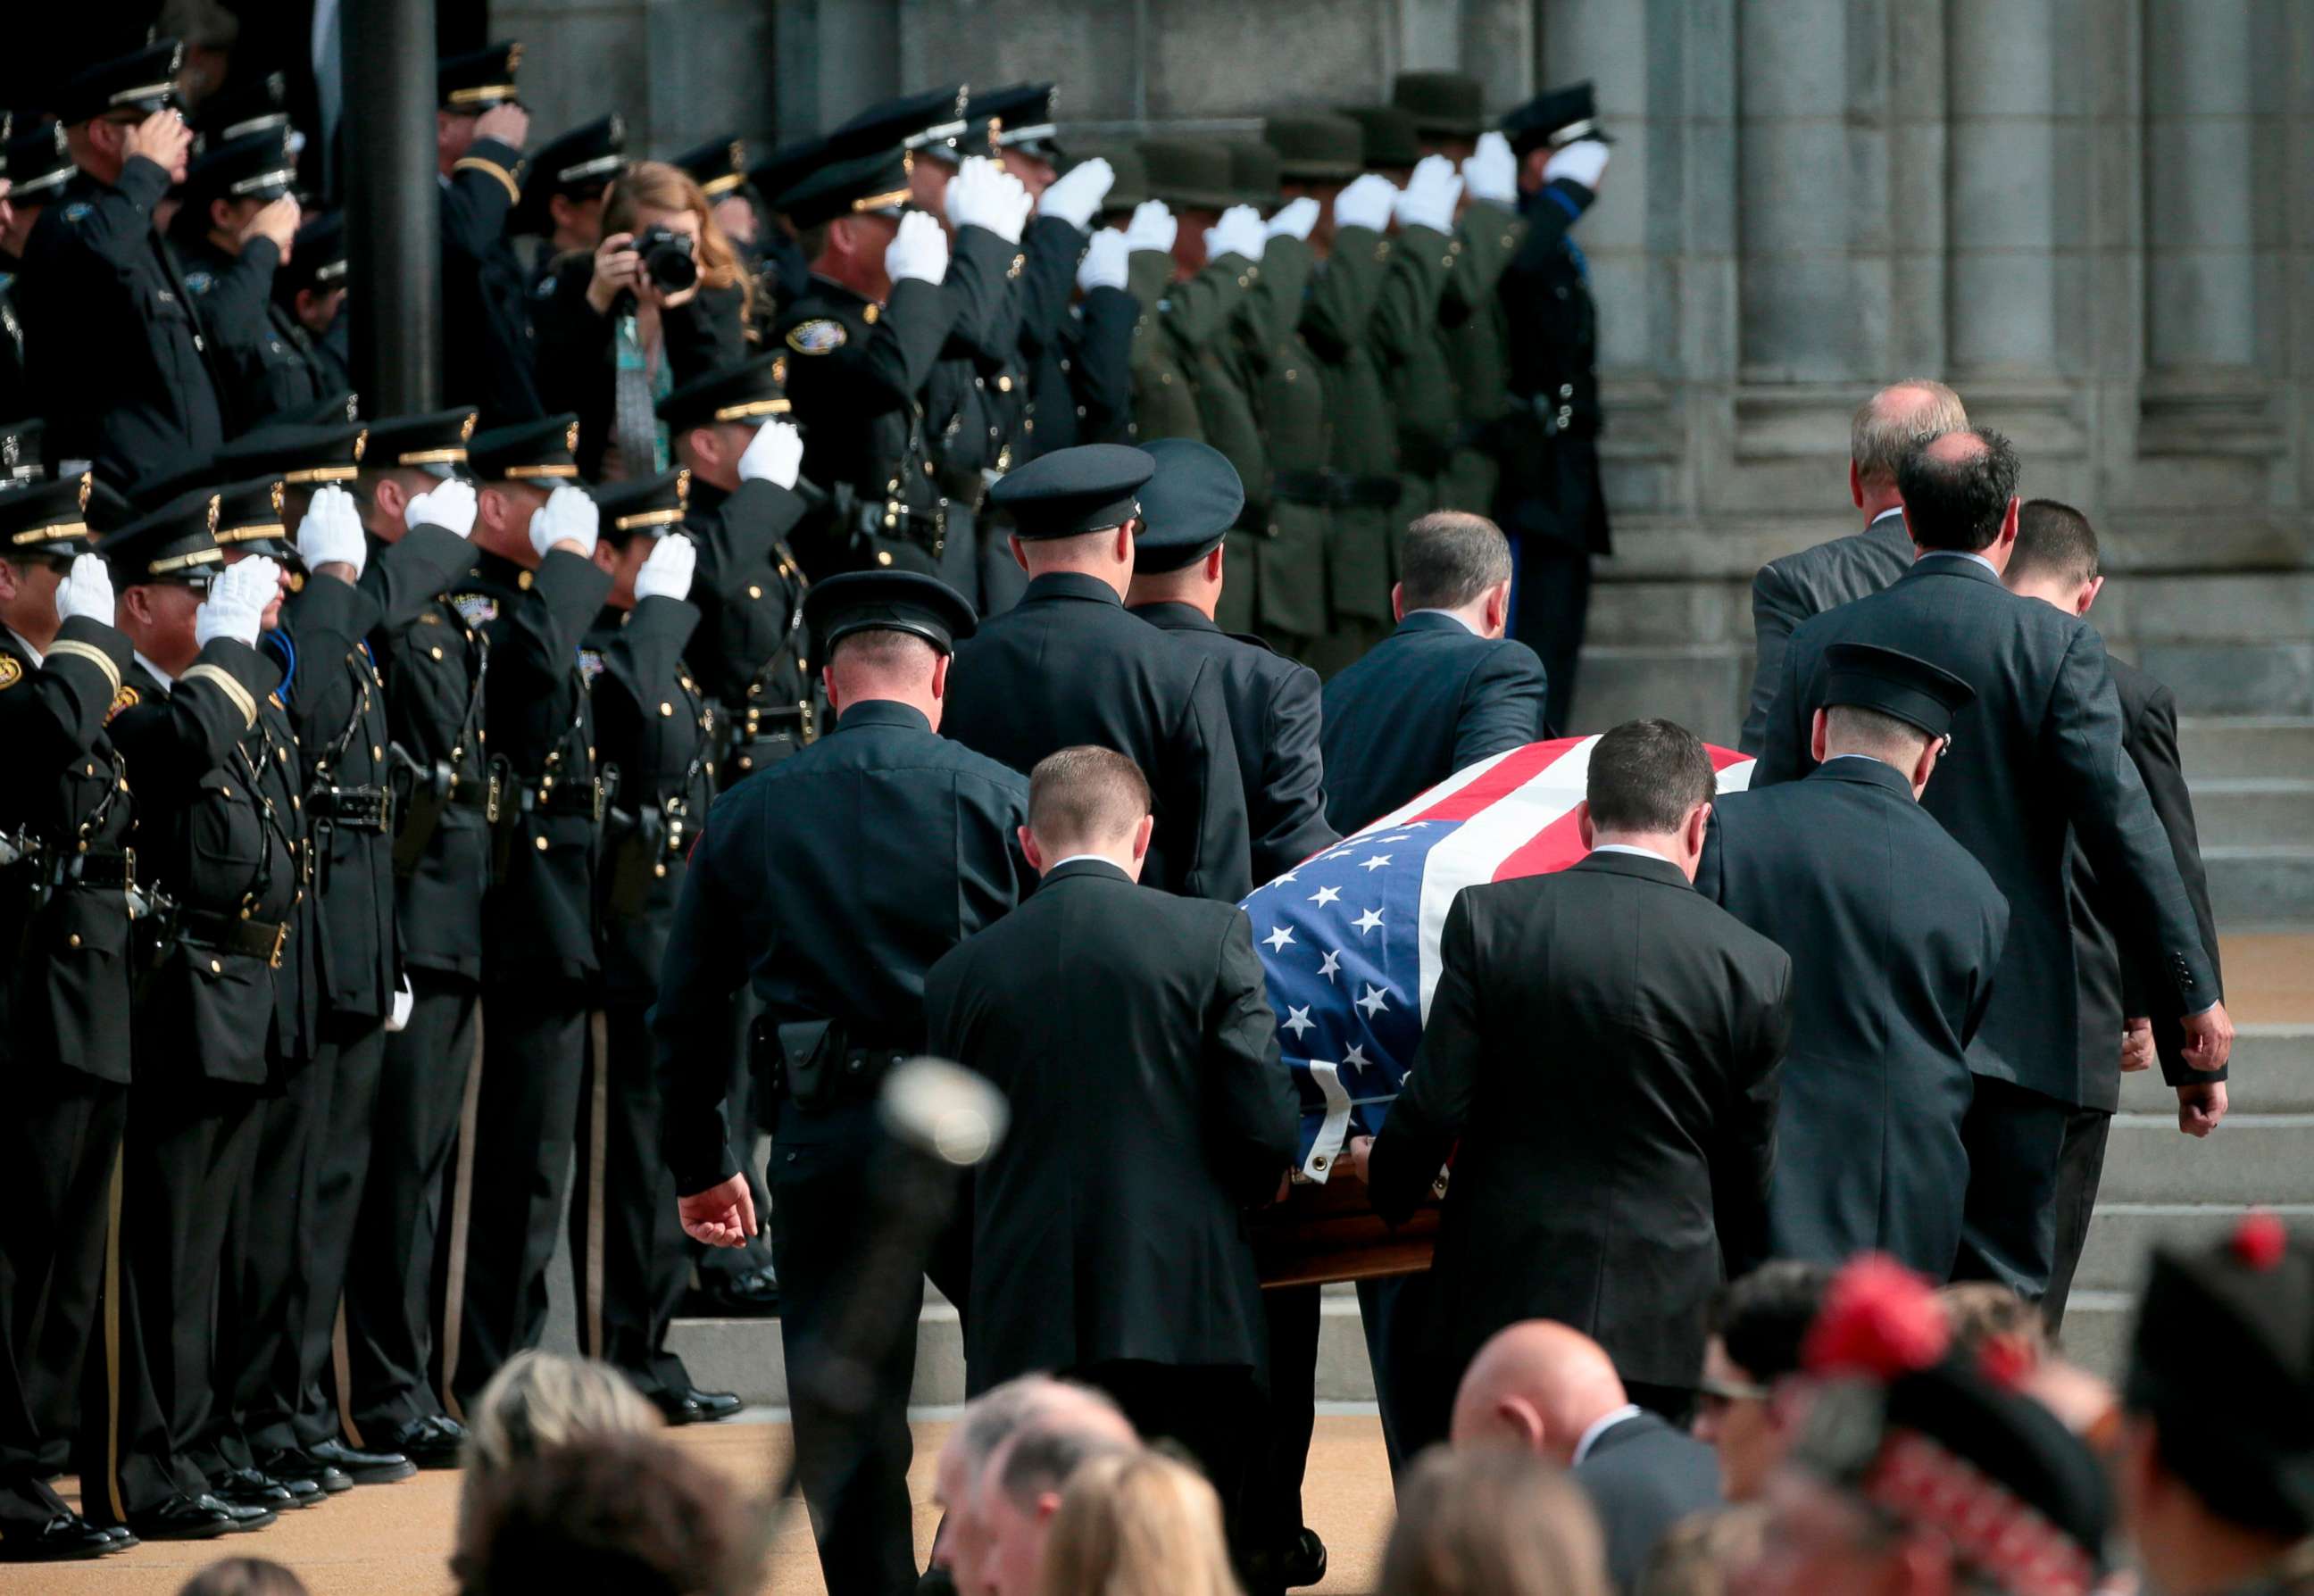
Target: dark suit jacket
2039 750
1643 1477
1895 931
1787 591
2118 964
1067 665
1605 1043
1428 700
1132 1033
1273 711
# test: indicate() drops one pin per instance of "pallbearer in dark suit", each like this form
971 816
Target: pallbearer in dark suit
1445 690
2037 754
1068 666
1603 1043
1895 931
829 884
2055 561
1132 1033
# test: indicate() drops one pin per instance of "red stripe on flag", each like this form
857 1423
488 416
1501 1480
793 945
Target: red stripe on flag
1721 758
1553 848
1518 767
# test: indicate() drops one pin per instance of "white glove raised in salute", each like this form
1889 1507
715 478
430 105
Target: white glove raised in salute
666 572
982 194
1239 231
1075 196
1294 219
1491 173
235 606
331 532
1365 202
1104 263
86 592
1430 195
1153 227
568 516
1584 162
450 506
775 454
919 250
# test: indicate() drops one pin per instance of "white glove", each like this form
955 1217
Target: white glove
405 1001
235 606
1295 218
568 516
1365 202
1491 173
666 569
1077 194
1239 231
1153 227
775 454
1103 266
331 532
919 250
1583 161
86 591
982 194
450 506
1428 199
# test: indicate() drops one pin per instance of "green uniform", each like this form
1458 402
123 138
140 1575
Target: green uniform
1362 454
1164 405
1282 559
1204 316
1413 365
1475 342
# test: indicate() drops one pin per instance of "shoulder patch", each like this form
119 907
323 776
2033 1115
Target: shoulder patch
822 335
480 609
591 665
199 282
78 210
10 673
128 698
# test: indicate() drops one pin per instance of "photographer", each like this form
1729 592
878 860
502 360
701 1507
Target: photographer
660 301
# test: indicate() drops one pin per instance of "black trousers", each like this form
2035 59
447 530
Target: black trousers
1273 1488
626 1242
854 1476
392 1299
354 1059
1216 1415
523 1123
59 1144
2080 1166
1399 1347
1550 605
2015 1139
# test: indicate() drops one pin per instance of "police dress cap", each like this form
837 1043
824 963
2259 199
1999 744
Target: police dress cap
47 520
301 453
1188 172
434 443
1442 104
244 105
1254 172
2222 1361
175 543
745 395
1129 178
1194 497
650 505
1086 488
718 166
257 165
1945 1444
912 602
789 165
935 119
480 79
1390 138
1866 676
20 451
107 511
1555 117
578 164
137 85
39 162
331 410
1315 147
316 262
540 451
1020 116
249 519
877 183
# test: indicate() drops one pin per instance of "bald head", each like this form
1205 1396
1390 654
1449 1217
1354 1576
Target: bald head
1886 426
991 1420
1538 1386
1021 1488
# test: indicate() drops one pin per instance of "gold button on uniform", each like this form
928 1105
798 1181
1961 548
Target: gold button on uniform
667 708
753 591
542 844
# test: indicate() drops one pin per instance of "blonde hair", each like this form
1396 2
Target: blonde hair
661 187
540 1401
1493 1522
1700 1555
1137 1523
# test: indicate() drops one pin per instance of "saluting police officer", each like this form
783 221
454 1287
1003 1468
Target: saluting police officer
776 899
309 302
655 728
564 184
411 489
234 229
1068 666
479 129
534 589
66 884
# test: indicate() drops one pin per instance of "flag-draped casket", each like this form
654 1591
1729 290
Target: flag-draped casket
1349 942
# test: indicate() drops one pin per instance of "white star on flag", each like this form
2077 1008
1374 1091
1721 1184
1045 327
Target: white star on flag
1278 938
1377 862
1333 963
1298 1020
1357 1055
1373 1002
1281 880
1325 894
1369 920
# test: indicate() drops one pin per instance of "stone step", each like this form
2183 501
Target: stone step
2097 1330
2254 812
2123 1234
2245 746
2252 1157
2272 1072
2255 887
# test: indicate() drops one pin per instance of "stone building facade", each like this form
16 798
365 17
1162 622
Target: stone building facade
2094 217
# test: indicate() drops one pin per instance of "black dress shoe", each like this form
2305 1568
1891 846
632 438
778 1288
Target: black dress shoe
429 1442
118 1538
754 1293
304 1467
363 1468
246 1487
184 1518
245 1518
693 1406
1305 1563
714 1405
66 1537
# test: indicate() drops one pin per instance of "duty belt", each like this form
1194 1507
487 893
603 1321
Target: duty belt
104 872
228 933
1335 490
965 485
357 808
583 799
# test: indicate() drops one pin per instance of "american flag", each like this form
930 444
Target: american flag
1349 939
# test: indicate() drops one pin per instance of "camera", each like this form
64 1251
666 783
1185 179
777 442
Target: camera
667 258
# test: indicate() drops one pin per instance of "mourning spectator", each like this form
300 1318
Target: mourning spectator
541 1400
989 1421
1022 1488
1703 1552
244 1576
1988 1317
1496 1521
1758 1324
1137 1524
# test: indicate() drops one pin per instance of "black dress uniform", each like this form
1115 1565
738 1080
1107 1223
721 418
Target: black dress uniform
37 165
488 360
539 958
781 896
221 1015
64 907
1068 666
1549 499
1896 932
266 376
316 263
117 352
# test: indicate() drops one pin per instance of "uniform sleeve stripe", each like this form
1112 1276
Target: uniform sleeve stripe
476 163
93 654
229 686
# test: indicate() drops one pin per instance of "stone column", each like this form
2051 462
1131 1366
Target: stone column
1608 42
2001 276
2201 266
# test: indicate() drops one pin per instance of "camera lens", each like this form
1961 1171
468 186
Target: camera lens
666 257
